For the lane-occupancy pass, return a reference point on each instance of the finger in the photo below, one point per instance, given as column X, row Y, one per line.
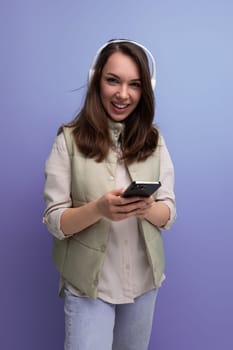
column 136, row 201
column 117, row 192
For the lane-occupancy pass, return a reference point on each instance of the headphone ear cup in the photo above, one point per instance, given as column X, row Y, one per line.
column 90, row 74
column 153, row 83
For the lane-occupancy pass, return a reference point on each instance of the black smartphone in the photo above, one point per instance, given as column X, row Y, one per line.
column 141, row 189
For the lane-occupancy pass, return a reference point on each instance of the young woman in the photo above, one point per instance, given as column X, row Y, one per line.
column 107, row 248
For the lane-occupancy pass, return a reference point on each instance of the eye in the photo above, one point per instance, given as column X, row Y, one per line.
column 112, row 80
column 136, row 84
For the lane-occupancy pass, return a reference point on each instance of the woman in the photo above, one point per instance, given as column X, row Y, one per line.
column 107, row 248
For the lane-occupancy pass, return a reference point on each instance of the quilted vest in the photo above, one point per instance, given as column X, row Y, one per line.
column 79, row 258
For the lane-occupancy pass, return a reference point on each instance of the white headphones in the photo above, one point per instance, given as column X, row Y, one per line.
column 153, row 67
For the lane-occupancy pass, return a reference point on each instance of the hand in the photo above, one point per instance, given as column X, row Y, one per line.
column 114, row 207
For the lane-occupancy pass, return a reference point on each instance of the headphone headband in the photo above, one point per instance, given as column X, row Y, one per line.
column 153, row 66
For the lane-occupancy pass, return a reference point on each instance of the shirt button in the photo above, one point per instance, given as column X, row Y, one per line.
column 111, row 178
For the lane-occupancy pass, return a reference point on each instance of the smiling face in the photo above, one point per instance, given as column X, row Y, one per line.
column 120, row 86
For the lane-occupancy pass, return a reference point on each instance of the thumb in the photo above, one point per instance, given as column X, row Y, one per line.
column 118, row 191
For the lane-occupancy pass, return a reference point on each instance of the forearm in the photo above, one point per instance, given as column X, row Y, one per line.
column 74, row 220
column 158, row 214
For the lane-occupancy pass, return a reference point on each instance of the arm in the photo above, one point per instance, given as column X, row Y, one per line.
column 162, row 212
column 57, row 186
column 158, row 214
column 110, row 206
column 74, row 220
column 60, row 217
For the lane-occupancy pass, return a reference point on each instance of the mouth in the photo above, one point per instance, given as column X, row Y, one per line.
column 119, row 106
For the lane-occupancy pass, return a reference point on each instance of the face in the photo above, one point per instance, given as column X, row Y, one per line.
column 120, row 86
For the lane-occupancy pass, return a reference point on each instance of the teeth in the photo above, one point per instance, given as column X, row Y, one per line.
column 120, row 106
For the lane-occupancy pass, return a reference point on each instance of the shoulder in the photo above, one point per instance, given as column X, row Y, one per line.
column 65, row 132
column 161, row 141
column 59, row 144
column 65, row 129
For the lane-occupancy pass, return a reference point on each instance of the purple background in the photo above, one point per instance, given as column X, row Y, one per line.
column 46, row 50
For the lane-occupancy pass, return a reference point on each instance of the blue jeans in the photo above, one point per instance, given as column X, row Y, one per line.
column 92, row 324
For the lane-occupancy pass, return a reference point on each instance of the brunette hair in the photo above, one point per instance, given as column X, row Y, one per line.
column 91, row 129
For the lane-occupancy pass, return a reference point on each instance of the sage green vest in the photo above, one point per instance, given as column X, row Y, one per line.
column 79, row 258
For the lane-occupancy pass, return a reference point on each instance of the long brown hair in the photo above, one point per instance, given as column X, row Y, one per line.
column 91, row 129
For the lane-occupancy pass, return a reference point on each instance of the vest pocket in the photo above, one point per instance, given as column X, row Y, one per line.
column 94, row 237
column 82, row 267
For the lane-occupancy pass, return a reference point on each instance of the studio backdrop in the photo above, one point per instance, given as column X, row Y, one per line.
column 46, row 50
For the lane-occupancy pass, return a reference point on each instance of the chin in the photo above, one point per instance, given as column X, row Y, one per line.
column 118, row 119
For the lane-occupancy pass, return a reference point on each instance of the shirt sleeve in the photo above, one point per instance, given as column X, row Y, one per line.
column 166, row 192
column 57, row 188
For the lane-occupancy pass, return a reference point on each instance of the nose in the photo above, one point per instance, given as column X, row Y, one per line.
column 123, row 92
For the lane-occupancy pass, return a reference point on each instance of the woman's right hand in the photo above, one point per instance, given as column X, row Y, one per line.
column 115, row 208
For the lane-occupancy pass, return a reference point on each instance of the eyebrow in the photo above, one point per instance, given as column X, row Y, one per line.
column 116, row 76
